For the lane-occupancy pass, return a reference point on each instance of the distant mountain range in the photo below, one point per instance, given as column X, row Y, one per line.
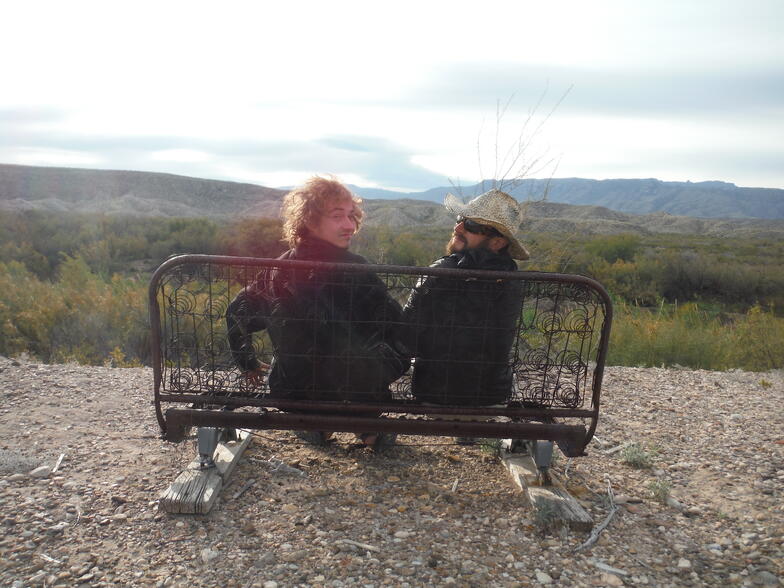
column 747, row 211
column 699, row 199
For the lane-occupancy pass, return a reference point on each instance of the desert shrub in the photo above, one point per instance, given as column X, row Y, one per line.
column 13, row 462
column 758, row 341
column 253, row 238
column 636, row 456
column 690, row 336
column 660, row 490
column 612, row 248
column 684, row 335
column 79, row 317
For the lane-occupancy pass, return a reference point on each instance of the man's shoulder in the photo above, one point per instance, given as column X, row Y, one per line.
column 354, row 258
column 446, row 261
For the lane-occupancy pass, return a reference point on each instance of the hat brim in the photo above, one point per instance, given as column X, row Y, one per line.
column 516, row 249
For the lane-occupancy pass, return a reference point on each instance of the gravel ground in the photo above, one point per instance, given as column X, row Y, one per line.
column 424, row 513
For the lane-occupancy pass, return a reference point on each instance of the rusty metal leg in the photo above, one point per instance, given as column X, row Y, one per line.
column 516, row 446
column 542, row 452
column 207, row 438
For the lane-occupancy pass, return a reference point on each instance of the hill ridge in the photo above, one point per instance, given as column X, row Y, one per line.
column 128, row 192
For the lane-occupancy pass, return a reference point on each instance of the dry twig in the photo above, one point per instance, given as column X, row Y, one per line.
column 364, row 546
column 244, row 489
column 594, row 537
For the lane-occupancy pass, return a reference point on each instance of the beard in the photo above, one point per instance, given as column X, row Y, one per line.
column 456, row 243
column 459, row 243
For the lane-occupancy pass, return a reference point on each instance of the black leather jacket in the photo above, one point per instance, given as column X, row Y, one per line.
column 333, row 333
column 461, row 332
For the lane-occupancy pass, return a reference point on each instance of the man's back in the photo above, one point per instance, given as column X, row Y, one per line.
column 317, row 319
column 462, row 330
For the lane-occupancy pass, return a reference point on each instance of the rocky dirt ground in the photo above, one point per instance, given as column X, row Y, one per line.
column 359, row 519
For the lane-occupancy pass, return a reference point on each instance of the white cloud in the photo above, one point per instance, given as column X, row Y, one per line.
column 52, row 157
column 180, row 155
column 251, row 90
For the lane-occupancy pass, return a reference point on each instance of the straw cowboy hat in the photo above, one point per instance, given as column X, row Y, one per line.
column 496, row 209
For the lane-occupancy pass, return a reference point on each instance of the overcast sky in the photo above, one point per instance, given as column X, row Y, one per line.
column 399, row 95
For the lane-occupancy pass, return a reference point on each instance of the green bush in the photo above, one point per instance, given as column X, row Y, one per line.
column 688, row 336
column 660, row 490
column 79, row 317
column 636, row 456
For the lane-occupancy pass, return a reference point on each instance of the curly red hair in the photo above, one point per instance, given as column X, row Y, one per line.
column 304, row 205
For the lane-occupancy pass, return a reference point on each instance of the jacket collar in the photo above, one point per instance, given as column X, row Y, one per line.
column 315, row 249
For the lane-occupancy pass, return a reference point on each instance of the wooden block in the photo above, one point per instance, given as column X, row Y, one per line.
column 227, row 455
column 560, row 507
column 553, row 503
column 195, row 491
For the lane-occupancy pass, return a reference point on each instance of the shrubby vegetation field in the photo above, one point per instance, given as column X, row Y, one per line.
column 74, row 287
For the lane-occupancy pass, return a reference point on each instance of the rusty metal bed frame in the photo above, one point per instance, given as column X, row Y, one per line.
column 558, row 357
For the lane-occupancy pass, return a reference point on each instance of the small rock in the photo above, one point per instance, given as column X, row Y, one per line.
column 402, row 534
column 267, row 559
column 289, row 508
column 37, row 578
column 208, row 554
column 543, row 578
column 749, row 537
column 296, row 555
column 682, row 465
column 607, row 579
column 684, row 564
column 672, row 503
column 16, row 477
column 41, row 472
column 270, row 584
column 57, row 528
column 249, row 528
column 766, row 578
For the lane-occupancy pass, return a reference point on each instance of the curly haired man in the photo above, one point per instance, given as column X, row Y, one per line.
column 333, row 332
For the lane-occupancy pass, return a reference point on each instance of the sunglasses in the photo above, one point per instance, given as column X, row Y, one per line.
column 478, row 228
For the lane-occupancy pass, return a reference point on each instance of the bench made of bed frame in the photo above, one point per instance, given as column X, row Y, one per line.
column 557, row 358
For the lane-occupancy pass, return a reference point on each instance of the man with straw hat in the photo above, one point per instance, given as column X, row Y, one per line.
column 461, row 330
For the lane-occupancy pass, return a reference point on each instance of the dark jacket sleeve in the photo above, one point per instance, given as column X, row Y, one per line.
column 386, row 315
column 246, row 315
column 417, row 313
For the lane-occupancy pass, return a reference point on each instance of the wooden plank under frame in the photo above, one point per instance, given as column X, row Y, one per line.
column 554, row 502
column 195, row 491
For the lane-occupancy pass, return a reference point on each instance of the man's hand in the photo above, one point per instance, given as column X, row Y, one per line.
column 256, row 377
